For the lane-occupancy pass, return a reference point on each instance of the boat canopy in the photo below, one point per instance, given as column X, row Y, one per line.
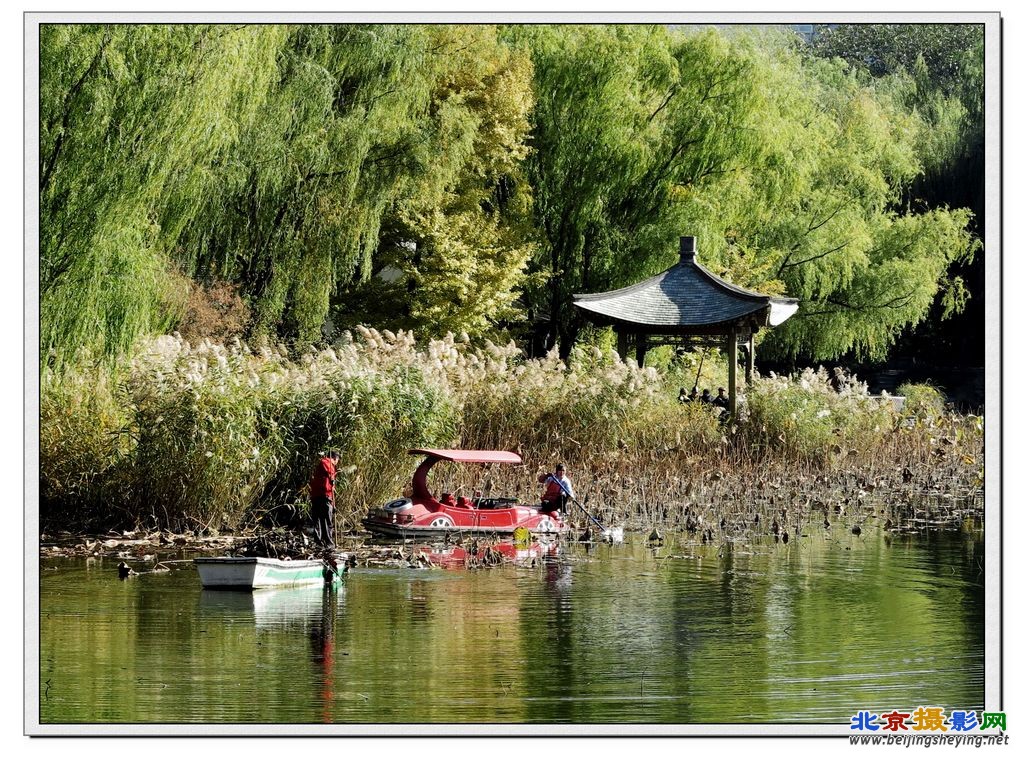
column 419, row 479
column 470, row 457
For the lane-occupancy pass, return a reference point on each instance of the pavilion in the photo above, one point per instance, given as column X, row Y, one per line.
column 687, row 305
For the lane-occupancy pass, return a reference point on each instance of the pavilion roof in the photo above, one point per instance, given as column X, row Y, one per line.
column 685, row 299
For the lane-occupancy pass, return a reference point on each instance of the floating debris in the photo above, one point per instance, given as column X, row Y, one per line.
column 613, row 535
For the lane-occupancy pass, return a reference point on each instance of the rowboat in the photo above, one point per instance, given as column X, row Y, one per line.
column 251, row 573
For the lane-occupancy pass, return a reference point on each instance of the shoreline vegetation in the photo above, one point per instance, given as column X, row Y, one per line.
column 212, row 439
column 221, row 207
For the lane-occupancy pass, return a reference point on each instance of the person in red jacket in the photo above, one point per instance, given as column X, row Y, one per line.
column 321, row 493
column 557, row 490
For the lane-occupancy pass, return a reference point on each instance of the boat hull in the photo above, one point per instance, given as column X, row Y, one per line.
column 414, row 532
column 251, row 573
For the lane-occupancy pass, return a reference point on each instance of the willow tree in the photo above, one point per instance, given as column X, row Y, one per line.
column 789, row 171
column 628, row 121
column 338, row 141
column 821, row 215
column 131, row 120
column 937, row 70
column 377, row 146
column 453, row 252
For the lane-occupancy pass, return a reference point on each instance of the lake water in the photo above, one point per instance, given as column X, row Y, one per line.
column 807, row 632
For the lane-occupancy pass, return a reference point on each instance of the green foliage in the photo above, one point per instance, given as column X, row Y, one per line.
column 443, row 178
column 452, row 256
column 473, row 243
column 628, row 121
column 938, row 72
column 278, row 158
column 807, row 417
column 865, row 307
column 340, row 137
column 131, row 120
column 787, row 168
column 924, row 402
column 823, row 217
column 817, row 220
column 944, row 49
column 708, row 368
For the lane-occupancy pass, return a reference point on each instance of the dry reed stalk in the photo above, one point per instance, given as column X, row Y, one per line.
column 217, row 434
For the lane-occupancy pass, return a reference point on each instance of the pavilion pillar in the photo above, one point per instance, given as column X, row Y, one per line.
column 750, row 359
column 641, row 349
column 623, row 341
column 732, row 374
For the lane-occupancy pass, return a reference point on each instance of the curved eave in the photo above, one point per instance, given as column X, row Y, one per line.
column 781, row 309
column 670, row 314
column 622, row 291
column 757, row 317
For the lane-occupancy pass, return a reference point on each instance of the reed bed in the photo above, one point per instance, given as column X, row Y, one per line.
column 212, row 437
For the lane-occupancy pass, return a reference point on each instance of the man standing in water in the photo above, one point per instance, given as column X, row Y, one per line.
column 558, row 490
column 321, row 493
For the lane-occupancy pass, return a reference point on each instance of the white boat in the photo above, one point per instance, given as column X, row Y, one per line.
column 250, row 573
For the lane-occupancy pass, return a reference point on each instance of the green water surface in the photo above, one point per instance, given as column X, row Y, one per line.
column 808, row 632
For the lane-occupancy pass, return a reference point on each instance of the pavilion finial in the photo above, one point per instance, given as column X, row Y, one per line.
column 687, row 249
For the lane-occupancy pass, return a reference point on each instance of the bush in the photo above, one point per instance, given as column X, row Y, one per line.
column 923, row 402
column 84, row 450
column 214, row 311
column 806, row 416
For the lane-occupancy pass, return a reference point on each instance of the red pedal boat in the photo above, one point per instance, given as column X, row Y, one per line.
column 423, row 516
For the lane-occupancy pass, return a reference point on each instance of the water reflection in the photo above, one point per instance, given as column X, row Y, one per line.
column 476, row 554
column 270, row 607
column 321, row 648
column 754, row 632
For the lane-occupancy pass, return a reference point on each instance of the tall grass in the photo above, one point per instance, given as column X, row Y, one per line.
column 208, row 436
column 808, row 417
column 84, row 449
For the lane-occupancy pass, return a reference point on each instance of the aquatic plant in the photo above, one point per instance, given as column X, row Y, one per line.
column 210, row 436
column 923, row 402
